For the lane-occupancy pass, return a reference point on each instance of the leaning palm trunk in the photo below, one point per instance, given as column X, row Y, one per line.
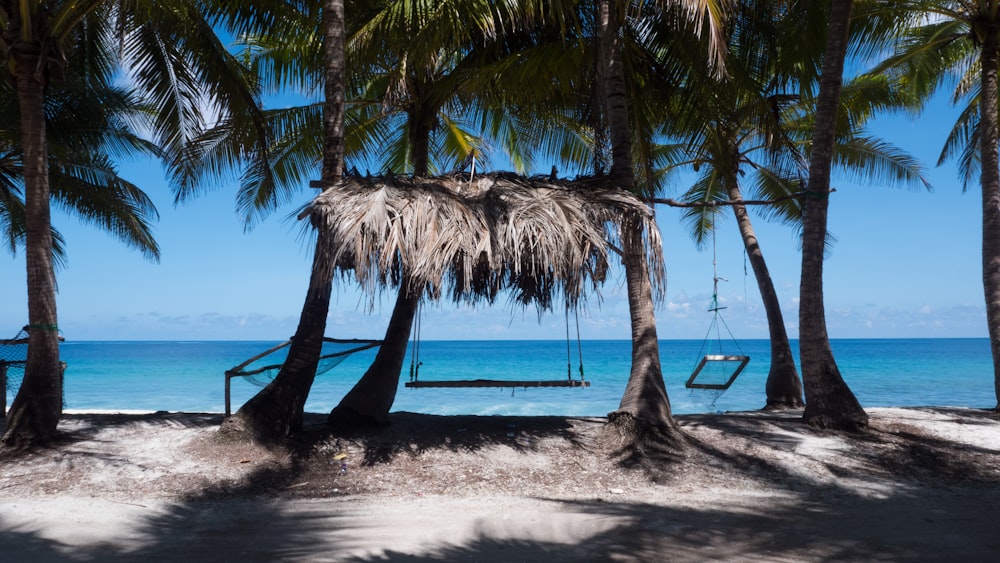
column 371, row 398
column 783, row 387
column 369, row 401
column 36, row 409
column 829, row 402
column 643, row 417
column 276, row 412
column 990, row 136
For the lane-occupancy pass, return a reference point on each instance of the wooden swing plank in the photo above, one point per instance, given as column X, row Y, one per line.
column 460, row 383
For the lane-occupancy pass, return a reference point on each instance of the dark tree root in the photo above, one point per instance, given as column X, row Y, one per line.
column 784, row 404
column 245, row 427
column 855, row 424
column 633, row 442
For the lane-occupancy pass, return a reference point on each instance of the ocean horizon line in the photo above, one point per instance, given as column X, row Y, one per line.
column 480, row 340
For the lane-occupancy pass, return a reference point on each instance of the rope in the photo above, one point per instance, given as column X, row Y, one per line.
column 415, row 356
column 715, row 277
column 579, row 345
column 569, row 361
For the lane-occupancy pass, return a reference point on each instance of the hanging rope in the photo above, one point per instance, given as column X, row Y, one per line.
column 569, row 356
column 719, row 358
column 579, row 345
column 415, row 354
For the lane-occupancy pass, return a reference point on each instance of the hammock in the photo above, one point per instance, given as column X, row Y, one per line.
column 13, row 355
column 262, row 368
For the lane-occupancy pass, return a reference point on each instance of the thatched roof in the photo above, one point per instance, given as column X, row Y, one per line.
column 475, row 239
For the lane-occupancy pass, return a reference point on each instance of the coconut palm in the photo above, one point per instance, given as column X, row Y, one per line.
column 829, row 402
column 643, row 416
column 85, row 132
column 956, row 43
column 276, row 412
column 748, row 131
column 171, row 50
column 401, row 86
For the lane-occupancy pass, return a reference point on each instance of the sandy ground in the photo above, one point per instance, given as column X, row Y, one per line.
column 923, row 485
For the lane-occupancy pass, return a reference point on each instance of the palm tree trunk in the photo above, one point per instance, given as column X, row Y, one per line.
column 276, row 412
column 643, row 417
column 783, row 387
column 35, row 411
column 369, row 401
column 371, row 398
column 990, row 178
column 644, row 411
column 829, row 402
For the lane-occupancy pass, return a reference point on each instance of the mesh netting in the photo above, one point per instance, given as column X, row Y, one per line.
column 13, row 354
column 262, row 368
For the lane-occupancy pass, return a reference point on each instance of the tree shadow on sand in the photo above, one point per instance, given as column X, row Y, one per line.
column 414, row 434
column 793, row 517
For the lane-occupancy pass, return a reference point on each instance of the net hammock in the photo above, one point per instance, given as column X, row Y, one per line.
column 262, row 368
column 13, row 355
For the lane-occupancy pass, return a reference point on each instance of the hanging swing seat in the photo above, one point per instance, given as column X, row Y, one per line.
column 717, row 371
column 416, row 383
column 502, row 383
column 713, row 381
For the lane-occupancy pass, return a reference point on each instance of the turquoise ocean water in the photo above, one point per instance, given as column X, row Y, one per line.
column 189, row 376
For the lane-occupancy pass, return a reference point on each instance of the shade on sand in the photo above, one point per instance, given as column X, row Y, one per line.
column 472, row 238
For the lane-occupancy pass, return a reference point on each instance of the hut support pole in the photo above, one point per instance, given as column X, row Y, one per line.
column 3, row 389
column 228, row 379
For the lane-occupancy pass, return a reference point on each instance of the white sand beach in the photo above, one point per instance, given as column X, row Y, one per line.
column 924, row 484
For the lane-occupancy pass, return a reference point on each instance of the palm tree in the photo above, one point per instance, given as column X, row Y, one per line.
column 748, row 131
column 643, row 415
column 402, row 85
column 276, row 412
column 438, row 77
column 829, row 402
column 84, row 133
column 171, row 50
column 737, row 123
column 957, row 43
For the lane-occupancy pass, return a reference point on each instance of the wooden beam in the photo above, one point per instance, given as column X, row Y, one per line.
column 675, row 203
column 504, row 383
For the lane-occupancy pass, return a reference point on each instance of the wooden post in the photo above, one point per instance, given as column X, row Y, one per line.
column 3, row 388
column 228, row 378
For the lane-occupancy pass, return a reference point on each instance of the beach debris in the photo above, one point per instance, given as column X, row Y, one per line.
column 343, row 469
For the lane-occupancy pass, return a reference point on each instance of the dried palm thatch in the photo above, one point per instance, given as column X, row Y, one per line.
column 473, row 239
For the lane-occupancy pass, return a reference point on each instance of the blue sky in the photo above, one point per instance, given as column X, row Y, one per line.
column 906, row 264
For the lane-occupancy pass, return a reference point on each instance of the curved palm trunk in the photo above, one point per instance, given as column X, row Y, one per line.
column 369, row 401
column 276, row 412
column 990, row 180
column 783, row 387
column 371, row 398
column 36, row 409
column 829, row 402
column 643, row 416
